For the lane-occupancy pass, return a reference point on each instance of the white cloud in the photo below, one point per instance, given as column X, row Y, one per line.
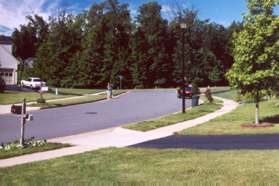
column 14, row 12
column 133, row 11
column 166, row 9
column 5, row 31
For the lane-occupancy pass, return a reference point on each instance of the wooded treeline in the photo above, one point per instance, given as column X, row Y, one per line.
column 99, row 45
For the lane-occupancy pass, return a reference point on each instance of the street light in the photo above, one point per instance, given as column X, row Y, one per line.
column 183, row 26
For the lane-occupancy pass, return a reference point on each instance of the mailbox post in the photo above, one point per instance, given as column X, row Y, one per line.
column 22, row 122
column 21, row 111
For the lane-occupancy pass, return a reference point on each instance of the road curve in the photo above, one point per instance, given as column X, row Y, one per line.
column 131, row 107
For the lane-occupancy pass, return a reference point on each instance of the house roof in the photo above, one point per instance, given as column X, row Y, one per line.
column 5, row 40
column 7, row 60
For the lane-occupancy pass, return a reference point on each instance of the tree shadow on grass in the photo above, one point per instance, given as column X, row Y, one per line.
column 271, row 119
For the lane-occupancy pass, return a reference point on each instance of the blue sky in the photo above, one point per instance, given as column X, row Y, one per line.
column 13, row 12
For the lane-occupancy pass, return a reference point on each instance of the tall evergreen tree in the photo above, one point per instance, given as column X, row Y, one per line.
column 116, row 47
column 55, row 52
column 152, row 33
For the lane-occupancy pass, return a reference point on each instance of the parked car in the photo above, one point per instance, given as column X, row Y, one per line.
column 33, row 82
column 187, row 93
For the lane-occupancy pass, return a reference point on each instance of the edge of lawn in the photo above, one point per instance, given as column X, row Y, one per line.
column 171, row 119
column 5, row 154
column 76, row 101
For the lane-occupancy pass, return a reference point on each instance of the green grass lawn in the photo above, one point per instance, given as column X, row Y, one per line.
column 225, row 92
column 28, row 150
column 11, row 97
column 231, row 123
column 77, row 100
column 195, row 112
column 131, row 166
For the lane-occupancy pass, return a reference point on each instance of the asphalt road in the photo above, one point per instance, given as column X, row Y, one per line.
column 132, row 107
column 220, row 142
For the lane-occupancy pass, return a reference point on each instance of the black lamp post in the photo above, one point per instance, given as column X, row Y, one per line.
column 183, row 26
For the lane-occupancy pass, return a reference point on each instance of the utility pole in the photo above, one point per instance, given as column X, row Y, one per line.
column 183, row 26
column 22, row 122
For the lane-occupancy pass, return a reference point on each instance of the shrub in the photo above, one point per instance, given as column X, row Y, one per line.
column 41, row 100
column 208, row 95
column 28, row 143
column 2, row 84
column 195, row 89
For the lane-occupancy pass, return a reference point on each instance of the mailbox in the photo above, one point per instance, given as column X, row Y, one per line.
column 29, row 117
column 44, row 89
column 16, row 109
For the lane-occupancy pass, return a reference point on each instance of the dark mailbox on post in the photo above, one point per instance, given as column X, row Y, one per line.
column 16, row 109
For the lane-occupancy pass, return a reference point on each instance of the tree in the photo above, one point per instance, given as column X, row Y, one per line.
column 85, row 67
column 139, row 58
column 150, row 52
column 27, row 40
column 217, row 38
column 255, row 50
column 117, row 38
column 55, row 52
column 193, row 51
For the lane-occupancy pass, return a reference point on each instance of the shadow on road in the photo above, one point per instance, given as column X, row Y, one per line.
column 228, row 142
column 272, row 119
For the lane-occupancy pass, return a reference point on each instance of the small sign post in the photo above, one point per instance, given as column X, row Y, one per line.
column 120, row 81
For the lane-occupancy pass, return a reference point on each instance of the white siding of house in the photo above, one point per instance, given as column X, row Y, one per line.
column 8, row 48
column 8, row 65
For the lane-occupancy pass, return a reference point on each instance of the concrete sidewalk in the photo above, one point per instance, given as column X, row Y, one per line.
column 114, row 137
column 6, row 109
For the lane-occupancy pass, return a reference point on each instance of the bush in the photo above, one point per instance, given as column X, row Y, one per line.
column 41, row 100
column 2, row 84
column 208, row 95
column 28, row 143
column 195, row 87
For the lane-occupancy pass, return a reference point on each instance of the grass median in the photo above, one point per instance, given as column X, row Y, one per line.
column 76, row 100
column 12, row 97
column 193, row 113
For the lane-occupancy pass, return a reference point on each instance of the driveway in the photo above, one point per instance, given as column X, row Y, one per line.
column 220, row 142
column 132, row 107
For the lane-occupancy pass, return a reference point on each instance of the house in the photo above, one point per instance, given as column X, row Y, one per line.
column 8, row 63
